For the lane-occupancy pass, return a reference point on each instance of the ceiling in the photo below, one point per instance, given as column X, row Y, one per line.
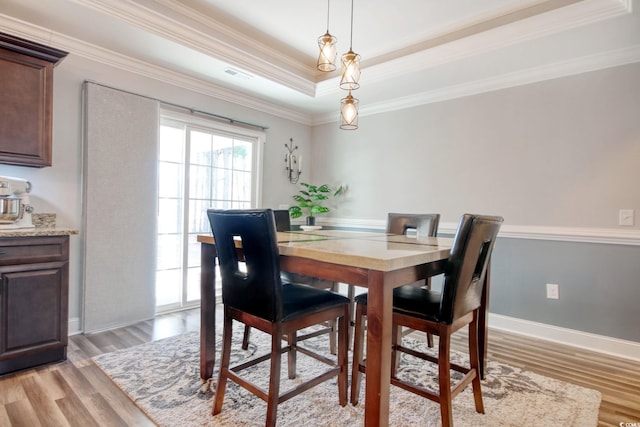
column 413, row 51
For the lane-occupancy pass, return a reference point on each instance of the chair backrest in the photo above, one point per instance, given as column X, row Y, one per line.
column 467, row 265
column 257, row 291
column 423, row 224
column 283, row 222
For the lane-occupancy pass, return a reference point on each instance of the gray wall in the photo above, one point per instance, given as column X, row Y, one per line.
column 561, row 154
column 599, row 285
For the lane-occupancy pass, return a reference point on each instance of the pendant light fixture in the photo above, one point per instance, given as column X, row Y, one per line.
column 327, row 45
column 350, row 64
column 349, row 113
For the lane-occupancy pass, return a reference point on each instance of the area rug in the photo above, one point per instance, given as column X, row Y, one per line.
column 162, row 378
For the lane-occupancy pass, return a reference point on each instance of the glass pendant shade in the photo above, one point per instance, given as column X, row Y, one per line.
column 349, row 113
column 350, row 71
column 328, row 52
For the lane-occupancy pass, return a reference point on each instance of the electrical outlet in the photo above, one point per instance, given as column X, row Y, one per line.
column 625, row 217
column 553, row 291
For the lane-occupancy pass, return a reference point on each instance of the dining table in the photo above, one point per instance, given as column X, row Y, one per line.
column 373, row 260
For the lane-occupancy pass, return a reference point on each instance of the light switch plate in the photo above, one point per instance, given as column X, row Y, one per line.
column 625, row 217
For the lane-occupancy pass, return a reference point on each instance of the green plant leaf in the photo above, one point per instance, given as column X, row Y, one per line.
column 295, row 212
column 319, row 209
column 298, row 198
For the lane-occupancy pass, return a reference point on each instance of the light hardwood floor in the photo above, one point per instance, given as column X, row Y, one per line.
column 77, row 393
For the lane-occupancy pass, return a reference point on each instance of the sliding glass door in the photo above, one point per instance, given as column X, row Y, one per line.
column 199, row 167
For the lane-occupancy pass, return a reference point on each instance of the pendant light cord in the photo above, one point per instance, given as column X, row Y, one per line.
column 328, row 3
column 351, row 39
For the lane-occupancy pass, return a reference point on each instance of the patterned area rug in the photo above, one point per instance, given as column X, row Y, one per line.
column 162, row 377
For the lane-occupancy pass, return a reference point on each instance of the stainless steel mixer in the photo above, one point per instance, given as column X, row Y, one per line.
column 15, row 207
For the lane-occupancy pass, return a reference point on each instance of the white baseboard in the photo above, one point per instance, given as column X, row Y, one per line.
column 600, row 343
column 74, row 326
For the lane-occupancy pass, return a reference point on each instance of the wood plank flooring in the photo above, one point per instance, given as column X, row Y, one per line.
column 77, row 393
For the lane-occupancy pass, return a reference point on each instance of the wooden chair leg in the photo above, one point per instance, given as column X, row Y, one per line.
column 245, row 337
column 351, row 294
column 358, row 347
column 427, row 284
column 444, row 380
column 333, row 335
column 474, row 358
column 343, row 356
column 224, row 363
column 292, row 355
column 429, row 340
column 274, row 378
column 396, row 338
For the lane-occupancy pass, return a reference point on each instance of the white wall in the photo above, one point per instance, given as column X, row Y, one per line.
column 57, row 188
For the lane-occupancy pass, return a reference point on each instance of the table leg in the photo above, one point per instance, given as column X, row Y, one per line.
column 207, row 309
column 379, row 318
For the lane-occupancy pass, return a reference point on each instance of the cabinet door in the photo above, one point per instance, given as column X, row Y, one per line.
column 25, row 112
column 32, row 308
column 26, row 91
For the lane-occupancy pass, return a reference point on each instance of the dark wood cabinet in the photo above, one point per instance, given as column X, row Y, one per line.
column 34, row 292
column 26, row 101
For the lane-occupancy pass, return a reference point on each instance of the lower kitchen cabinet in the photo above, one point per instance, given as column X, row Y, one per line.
column 34, row 293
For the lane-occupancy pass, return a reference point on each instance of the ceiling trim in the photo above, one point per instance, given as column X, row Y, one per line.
column 591, row 11
column 562, row 19
column 574, row 66
column 181, row 24
column 136, row 66
column 190, row 28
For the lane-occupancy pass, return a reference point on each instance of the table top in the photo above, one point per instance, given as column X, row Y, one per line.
column 370, row 250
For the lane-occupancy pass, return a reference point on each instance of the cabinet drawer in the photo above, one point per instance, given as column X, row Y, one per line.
column 21, row 250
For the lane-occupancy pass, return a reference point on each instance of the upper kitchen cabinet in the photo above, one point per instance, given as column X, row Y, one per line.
column 26, row 101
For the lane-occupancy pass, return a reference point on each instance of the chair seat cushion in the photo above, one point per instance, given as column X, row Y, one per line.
column 412, row 301
column 301, row 300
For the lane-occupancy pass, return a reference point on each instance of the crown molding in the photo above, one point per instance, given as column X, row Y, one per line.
column 181, row 24
column 107, row 57
column 175, row 21
column 453, row 47
column 590, row 11
column 570, row 67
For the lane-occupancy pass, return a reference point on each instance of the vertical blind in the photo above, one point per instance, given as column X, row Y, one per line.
column 120, row 207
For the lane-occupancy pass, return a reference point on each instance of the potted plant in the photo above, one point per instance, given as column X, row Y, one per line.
column 310, row 200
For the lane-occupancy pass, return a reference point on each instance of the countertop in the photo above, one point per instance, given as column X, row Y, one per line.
column 39, row 231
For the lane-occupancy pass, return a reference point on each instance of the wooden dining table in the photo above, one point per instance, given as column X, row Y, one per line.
column 373, row 260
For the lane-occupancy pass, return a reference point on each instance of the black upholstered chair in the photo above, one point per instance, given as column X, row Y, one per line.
column 256, row 296
column 283, row 220
column 283, row 223
column 441, row 313
column 423, row 225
